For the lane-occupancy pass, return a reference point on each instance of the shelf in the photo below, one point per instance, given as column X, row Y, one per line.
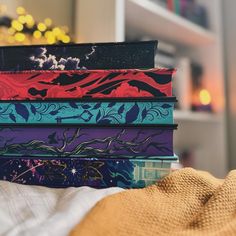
column 196, row 116
column 156, row 21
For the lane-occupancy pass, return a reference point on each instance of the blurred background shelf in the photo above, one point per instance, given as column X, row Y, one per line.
column 162, row 23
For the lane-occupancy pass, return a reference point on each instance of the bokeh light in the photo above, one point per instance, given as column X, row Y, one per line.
column 42, row 27
column 20, row 10
column 205, row 97
column 24, row 29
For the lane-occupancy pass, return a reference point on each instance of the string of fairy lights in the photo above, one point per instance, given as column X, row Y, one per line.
column 25, row 30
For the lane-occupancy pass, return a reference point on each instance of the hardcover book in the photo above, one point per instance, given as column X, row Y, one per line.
column 72, row 141
column 100, row 112
column 68, row 172
column 78, row 56
column 33, row 85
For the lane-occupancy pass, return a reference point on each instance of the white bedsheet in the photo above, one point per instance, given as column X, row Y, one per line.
column 39, row 211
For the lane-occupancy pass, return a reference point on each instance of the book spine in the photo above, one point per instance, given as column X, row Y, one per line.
column 97, row 112
column 177, row 6
column 73, row 141
column 82, row 84
column 182, row 6
column 67, row 172
column 78, row 56
column 170, row 5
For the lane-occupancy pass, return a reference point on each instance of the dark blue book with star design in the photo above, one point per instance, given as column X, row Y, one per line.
column 97, row 173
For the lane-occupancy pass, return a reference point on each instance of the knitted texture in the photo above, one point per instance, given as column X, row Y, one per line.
column 187, row 202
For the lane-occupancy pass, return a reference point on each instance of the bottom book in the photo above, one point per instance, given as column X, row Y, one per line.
column 75, row 172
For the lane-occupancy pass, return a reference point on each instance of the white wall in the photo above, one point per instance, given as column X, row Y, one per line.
column 11, row 6
column 99, row 20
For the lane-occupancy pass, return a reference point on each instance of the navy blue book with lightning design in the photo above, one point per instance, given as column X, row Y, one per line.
column 78, row 56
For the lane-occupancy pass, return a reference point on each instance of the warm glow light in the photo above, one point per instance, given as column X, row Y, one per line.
column 22, row 19
column 17, row 25
column 48, row 34
column 11, row 31
column 65, row 39
column 42, row 27
column 56, row 31
column 48, row 22
column 205, row 97
column 20, row 10
column 20, row 37
column 44, row 31
column 29, row 18
column 37, row 34
column 29, row 21
column 51, row 39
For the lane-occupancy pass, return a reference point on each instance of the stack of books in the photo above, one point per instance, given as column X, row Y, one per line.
column 98, row 115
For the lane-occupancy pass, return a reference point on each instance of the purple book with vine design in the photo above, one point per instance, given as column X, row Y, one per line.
column 72, row 141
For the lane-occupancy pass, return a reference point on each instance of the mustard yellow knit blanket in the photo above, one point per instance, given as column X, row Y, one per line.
column 187, row 202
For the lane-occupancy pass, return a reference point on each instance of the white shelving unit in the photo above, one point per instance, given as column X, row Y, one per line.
column 113, row 20
column 177, row 29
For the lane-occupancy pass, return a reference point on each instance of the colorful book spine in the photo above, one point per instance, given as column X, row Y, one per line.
column 101, row 111
column 170, row 5
column 78, row 56
column 177, row 8
column 33, row 85
column 91, row 140
column 67, row 172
